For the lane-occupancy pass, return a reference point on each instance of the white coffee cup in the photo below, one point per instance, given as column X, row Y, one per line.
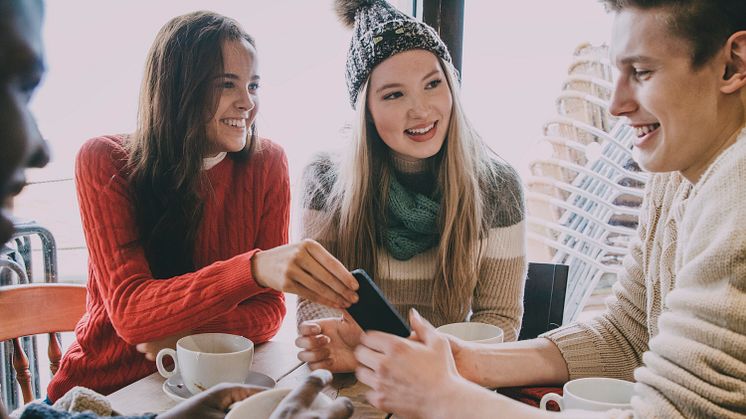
column 596, row 393
column 473, row 332
column 207, row 359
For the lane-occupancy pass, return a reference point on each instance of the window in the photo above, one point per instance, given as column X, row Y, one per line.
column 514, row 61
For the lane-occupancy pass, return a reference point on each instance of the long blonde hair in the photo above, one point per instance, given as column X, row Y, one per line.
column 354, row 213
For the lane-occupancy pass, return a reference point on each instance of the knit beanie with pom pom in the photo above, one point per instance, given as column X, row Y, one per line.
column 380, row 31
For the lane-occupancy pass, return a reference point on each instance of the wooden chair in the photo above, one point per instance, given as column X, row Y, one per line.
column 34, row 309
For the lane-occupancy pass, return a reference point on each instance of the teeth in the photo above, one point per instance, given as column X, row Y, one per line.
column 237, row 123
column 647, row 129
column 421, row 130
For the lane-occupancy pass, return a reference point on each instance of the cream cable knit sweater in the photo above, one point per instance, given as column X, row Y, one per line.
column 677, row 320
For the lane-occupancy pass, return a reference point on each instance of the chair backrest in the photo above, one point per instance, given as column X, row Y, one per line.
column 543, row 299
column 34, row 309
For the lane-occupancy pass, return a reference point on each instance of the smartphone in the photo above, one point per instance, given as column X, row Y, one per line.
column 373, row 311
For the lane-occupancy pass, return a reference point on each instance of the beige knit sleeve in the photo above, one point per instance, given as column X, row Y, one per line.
column 611, row 345
column 696, row 366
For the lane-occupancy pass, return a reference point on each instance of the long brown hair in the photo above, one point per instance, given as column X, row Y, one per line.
column 177, row 99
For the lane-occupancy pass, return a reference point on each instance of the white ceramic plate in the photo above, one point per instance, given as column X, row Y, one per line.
column 261, row 405
column 174, row 387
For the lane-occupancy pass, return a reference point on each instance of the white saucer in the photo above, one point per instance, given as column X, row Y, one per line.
column 174, row 387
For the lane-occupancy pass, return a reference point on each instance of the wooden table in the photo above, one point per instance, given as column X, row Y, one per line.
column 275, row 359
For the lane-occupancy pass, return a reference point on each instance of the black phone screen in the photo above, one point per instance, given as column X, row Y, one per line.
column 373, row 311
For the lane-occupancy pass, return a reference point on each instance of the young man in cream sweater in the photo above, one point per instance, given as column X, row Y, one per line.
column 677, row 322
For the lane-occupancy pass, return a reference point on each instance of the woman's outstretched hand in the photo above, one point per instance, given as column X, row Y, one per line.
column 308, row 270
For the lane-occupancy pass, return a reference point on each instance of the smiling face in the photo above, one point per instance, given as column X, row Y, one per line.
column 410, row 103
column 238, row 102
column 21, row 69
column 682, row 115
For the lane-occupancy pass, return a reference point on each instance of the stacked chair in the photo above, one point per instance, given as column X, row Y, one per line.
column 584, row 192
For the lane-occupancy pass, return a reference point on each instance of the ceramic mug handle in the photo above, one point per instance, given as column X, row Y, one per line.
column 549, row 397
column 159, row 362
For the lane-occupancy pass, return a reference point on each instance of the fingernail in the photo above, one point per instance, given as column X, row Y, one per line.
column 416, row 313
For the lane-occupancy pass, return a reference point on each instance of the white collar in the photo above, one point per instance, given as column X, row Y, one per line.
column 210, row 162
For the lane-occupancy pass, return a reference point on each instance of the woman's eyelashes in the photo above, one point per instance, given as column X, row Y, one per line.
column 432, row 84
column 392, row 95
column 228, row 84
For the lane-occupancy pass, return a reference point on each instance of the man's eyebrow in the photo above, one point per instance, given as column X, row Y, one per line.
column 636, row 59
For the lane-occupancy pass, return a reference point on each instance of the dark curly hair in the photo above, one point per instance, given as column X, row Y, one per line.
column 705, row 24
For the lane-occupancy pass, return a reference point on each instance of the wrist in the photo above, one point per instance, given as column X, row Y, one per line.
column 254, row 261
column 467, row 363
column 451, row 399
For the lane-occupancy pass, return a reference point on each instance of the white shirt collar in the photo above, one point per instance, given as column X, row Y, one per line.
column 210, row 162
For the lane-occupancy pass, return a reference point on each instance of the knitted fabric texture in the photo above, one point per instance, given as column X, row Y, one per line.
column 677, row 322
column 43, row 411
column 412, row 222
column 248, row 209
column 380, row 31
column 81, row 399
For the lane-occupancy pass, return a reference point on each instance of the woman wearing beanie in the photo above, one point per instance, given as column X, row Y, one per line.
column 419, row 202
column 178, row 217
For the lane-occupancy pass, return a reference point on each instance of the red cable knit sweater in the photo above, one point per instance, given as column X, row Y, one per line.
column 247, row 209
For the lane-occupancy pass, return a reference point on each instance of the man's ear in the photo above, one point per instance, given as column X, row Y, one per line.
column 735, row 71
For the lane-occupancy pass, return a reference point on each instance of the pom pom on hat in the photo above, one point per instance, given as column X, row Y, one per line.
column 379, row 31
column 347, row 9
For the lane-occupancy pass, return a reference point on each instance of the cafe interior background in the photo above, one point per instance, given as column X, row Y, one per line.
column 515, row 57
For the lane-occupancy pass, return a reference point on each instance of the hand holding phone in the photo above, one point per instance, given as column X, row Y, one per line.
column 373, row 311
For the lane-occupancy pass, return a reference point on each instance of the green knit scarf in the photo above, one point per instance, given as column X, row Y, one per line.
column 412, row 222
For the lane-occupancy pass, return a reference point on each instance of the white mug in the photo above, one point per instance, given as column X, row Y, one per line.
column 473, row 332
column 597, row 394
column 207, row 359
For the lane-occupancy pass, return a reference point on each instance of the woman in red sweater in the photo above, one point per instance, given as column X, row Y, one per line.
column 175, row 215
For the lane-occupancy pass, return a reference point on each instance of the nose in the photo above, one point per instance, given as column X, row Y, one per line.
column 246, row 102
column 38, row 147
column 418, row 107
column 40, row 156
column 623, row 100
